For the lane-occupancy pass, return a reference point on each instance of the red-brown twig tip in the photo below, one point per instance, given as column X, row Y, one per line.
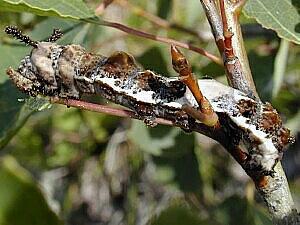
column 179, row 62
column 176, row 55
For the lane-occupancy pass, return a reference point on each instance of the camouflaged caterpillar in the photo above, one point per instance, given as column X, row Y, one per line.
column 69, row 72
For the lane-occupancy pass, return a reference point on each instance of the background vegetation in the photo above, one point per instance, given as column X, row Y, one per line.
column 70, row 166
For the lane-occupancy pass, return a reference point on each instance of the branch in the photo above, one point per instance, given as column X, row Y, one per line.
column 104, row 109
column 227, row 32
column 232, row 9
column 277, row 196
column 156, row 38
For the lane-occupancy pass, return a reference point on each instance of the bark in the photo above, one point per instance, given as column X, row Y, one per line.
column 274, row 190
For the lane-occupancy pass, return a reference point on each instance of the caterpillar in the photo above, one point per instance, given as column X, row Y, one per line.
column 70, row 71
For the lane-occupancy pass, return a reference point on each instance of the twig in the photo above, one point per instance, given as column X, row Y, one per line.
column 205, row 113
column 104, row 109
column 156, row 38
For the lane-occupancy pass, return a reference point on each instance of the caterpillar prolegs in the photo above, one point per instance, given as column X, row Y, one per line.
column 70, row 71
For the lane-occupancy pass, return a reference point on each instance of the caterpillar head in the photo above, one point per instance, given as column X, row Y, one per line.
column 36, row 74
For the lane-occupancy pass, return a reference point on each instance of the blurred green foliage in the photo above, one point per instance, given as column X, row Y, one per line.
column 90, row 168
column 21, row 200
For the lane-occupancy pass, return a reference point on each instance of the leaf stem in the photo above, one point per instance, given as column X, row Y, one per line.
column 104, row 109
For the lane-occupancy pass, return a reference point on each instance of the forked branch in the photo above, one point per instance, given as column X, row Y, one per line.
column 227, row 31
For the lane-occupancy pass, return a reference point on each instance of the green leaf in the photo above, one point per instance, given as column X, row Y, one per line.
column 210, row 70
column 75, row 9
column 148, row 140
column 287, row 101
column 164, row 8
column 173, row 154
column 74, row 32
column 11, row 118
column 14, row 113
column 282, row 16
column 11, row 121
column 236, row 209
column 177, row 215
column 262, row 68
column 22, row 202
column 153, row 58
column 10, row 56
column 293, row 124
column 181, row 172
column 43, row 29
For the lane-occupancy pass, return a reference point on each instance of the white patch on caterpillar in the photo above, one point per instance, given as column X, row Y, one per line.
column 141, row 96
column 264, row 154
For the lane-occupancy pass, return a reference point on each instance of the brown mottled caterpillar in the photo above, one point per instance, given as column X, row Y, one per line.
column 69, row 71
